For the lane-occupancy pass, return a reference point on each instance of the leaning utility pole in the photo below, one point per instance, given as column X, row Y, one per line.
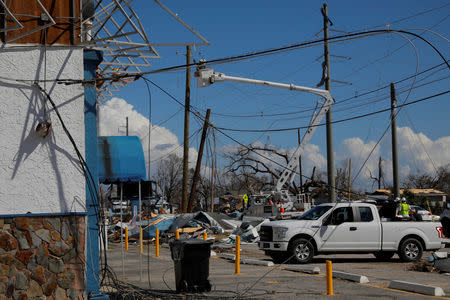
column 300, row 162
column 394, row 141
column 186, row 131
column 199, row 162
column 330, row 153
column 211, row 191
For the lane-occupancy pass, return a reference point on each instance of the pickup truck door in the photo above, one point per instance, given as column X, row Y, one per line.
column 344, row 231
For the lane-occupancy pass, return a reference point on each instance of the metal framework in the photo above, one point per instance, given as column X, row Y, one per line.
column 116, row 29
column 111, row 26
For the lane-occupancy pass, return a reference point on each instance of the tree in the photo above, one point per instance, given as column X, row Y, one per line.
column 252, row 173
column 440, row 181
column 169, row 177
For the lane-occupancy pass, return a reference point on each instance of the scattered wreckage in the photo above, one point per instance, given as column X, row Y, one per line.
column 190, row 225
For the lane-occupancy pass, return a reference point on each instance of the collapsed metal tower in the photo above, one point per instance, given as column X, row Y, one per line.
column 108, row 25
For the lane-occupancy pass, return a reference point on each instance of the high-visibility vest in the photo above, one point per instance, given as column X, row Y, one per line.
column 404, row 209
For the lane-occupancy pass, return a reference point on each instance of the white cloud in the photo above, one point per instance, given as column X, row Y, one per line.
column 163, row 142
column 418, row 152
column 358, row 151
column 415, row 149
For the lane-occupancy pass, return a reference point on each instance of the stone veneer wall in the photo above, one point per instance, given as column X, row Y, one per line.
column 42, row 257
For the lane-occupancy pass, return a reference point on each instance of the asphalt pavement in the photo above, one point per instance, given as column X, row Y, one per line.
column 259, row 282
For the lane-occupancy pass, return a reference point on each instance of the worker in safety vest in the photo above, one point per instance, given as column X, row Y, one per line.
column 245, row 199
column 403, row 209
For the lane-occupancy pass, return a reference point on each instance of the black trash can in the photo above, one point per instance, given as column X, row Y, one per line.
column 191, row 263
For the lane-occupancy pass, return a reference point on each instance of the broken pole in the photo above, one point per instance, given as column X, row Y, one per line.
column 199, row 162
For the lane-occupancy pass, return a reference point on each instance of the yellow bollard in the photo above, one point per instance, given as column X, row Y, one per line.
column 157, row 242
column 205, row 236
column 329, row 278
column 126, row 238
column 177, row 234
column 237, row 266
column 142, row 242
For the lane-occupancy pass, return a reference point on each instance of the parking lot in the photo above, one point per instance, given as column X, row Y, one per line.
column 260, row 282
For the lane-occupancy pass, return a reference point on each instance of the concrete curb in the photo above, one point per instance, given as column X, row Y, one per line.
column 417, row 288
column 227, row 256
column 350, row 277
column 249, row 261
column 304, row 269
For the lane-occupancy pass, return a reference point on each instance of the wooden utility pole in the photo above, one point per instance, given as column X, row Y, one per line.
column 349, row 177
column 330, row 153
column 199, row 162
column 186, row 131
column 394, row 142
column 127, row 125
column 212, row 185
column 300, row 163
column 380, row 173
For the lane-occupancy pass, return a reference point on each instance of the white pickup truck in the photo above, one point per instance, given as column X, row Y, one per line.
column 353, row 227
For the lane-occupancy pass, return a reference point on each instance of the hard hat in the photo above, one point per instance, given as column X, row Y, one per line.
column 403, row 199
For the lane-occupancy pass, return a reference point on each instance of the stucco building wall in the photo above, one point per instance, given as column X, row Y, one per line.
column 40, row 175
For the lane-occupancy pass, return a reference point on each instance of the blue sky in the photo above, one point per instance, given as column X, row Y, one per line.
column 368, row 63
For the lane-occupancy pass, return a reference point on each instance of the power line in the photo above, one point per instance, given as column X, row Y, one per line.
column 334, row 122
column 337, row 38
column 391, row 53
column 338, row 102
column 409, row 17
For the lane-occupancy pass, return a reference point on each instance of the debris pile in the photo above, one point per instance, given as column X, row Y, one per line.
column 221, row 227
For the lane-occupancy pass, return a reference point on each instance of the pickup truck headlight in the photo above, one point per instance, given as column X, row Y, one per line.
column 279, row 233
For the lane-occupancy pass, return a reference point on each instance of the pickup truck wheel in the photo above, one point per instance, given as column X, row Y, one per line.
column 302, row 251
column 410, row 250
column 383, row 255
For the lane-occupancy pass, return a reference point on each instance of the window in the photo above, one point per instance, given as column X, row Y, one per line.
column 314, row 213
column 366, row 214
column 342, row 215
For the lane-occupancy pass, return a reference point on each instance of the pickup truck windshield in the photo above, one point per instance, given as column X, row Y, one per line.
column 314, row 213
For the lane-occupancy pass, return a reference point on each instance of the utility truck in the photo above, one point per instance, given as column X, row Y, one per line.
column 348, row 227
column 273, row 203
